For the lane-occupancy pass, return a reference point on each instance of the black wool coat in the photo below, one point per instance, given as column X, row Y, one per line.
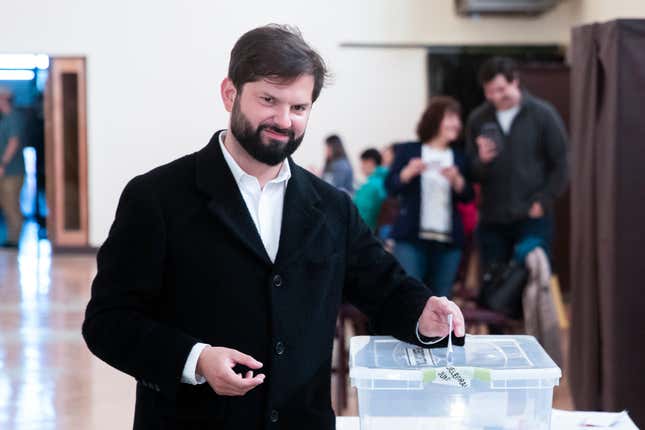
column 184, row 263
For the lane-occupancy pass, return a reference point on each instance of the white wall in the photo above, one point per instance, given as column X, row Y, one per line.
column 587, row 11
column 154, row 69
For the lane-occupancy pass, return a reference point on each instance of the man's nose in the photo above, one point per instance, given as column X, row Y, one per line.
column 282, row 118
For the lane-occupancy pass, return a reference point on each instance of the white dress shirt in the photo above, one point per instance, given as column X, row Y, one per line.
column 436, row 194
column 265, row 207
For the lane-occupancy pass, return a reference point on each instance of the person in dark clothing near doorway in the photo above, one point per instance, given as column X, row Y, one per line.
column 12, row 167
column 34, row 132
column 219, row 284
column 518, row 150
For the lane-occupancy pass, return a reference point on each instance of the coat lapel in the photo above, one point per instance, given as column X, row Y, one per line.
column 215, row 179
column 301, row 216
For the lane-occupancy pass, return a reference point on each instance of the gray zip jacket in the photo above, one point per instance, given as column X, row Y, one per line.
column 531, row 167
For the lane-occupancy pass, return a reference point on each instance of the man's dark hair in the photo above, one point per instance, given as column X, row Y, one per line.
column 372, row 154
column 498, row 66
column 275, row 52
column 430, row 121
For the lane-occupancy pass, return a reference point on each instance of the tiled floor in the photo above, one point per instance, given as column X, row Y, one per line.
column 48, row 378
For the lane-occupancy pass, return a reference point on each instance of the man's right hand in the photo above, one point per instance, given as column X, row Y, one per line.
column 414, row 168
column 487, row 149
column 216, row 365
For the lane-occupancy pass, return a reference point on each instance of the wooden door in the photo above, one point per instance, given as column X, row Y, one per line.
column 66, row 153
column 551, row 82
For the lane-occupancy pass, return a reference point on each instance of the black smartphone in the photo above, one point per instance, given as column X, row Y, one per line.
column 491, row 131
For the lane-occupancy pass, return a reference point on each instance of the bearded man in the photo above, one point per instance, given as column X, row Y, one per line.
column 220, row 281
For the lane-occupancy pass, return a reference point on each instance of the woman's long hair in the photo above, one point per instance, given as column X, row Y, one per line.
column 337, row 150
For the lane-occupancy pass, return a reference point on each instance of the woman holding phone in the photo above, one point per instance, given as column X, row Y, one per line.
column 428, row 178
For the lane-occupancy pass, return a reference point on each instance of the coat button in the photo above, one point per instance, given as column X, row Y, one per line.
column 277, row 281
column 275, row 416
column 279, row 348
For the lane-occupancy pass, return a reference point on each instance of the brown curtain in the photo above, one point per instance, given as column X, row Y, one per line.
column 607, row 354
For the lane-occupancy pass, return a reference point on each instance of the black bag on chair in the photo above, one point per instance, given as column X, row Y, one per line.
column 502, row 288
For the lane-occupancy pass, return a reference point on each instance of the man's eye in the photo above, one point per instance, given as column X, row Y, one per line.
column 267, row 99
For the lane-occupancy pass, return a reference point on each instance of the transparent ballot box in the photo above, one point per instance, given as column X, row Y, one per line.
column 493, row 383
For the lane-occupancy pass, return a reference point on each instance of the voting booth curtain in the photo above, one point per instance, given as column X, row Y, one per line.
column 607, row 354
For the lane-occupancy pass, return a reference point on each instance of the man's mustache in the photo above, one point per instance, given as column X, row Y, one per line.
column 285, row 131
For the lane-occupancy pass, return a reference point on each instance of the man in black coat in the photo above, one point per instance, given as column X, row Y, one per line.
column 220, row 281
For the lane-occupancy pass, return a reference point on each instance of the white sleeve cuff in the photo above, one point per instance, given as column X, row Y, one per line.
column 189, row 375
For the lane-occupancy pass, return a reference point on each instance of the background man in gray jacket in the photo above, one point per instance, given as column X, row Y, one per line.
column 517, row 149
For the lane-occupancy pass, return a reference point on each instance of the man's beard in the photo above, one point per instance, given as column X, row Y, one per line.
column 272, row 153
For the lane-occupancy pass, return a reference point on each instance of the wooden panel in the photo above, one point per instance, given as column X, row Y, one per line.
column 66, row 152
column 551, row 82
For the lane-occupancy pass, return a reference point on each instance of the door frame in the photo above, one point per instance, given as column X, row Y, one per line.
column 55, row 161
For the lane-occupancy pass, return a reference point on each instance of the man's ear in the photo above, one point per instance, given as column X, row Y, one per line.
column 228, row 93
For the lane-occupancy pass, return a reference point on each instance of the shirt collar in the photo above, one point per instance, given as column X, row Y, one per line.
column 238, row 173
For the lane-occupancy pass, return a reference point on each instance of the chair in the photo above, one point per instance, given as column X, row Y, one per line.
column 358, row 320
